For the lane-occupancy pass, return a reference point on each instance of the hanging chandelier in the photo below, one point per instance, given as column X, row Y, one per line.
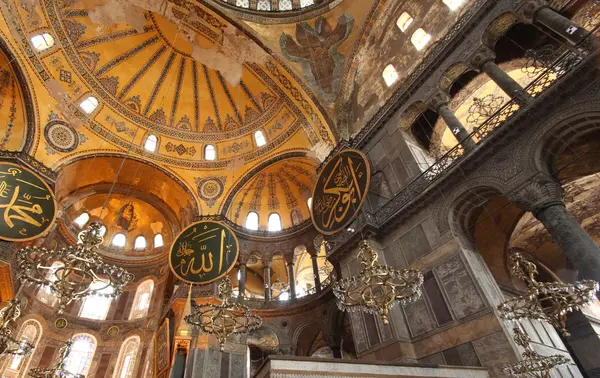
column 280, row 286
column 377, row 287
column 222, row 320
column 547, row 301
column 59, row 369
column 533, row 364
column 8, row 344
column 73, row 273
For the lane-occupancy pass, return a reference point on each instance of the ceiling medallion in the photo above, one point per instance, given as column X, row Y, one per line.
column 9, row 345
column 222, row 320
column 533, row 364
column 60, row 136
column 73, row 273
column 210, row 189
column 377, row 287
column 546, row 301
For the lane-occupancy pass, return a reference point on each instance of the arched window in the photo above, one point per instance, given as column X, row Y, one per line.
column 274, row 222
column 242, row 3
column 263, row 5
column 42, row 41
column 140, row 243
column 454, row 4
column 404, row 21
column 96, row 305
column 389, row 75
column 306, row 3
column 151, row 143
column 252, row 221
column 45, row 294
column 102, row 231
column 82, row 353
column 210, row 153
column 260, row 139
column 127, row 358
column 158, row 241
column 296, row 217
column 309, row 203
column 285, row 5
column 82, row 220
column 141, row 302
column 89, row 104
column 420, row 39
column 31, row 331
column 119, row 240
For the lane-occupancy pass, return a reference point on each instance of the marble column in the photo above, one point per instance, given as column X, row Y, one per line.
column 267, row 281
column 292, row 279
column 543, row 197
column 315, row 266
column 483, row 60
column 439, row 103
column 538, row 11
column 242, row 281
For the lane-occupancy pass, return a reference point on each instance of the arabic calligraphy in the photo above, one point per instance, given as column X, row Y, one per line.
column 340, row 191
column 204, row 252
column 27, row 207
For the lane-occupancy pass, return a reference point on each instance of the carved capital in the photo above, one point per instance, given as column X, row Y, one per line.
column 537, row 194
column 482, row 55
column 527, row 9
column 438, row 99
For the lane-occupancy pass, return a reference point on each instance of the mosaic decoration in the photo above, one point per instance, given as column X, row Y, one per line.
column 126, row 218
column 60, row 136
column 316, row 51
column 204, row 252
column 26, row 202
column 340, row 191
column 210, row 188
column 180, row 149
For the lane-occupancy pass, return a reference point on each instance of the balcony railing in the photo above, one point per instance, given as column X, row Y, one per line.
column 550, row 72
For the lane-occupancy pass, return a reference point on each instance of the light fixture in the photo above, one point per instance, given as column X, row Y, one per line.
column 224, row 319
column 80, row 271
column 59, row 369
column 533, row 364
column 547, row 301
column 8, row 344
column 280, row 286
column 377, row 287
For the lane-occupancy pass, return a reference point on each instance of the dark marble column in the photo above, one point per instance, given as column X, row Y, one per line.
column 440, row 104
column 315, row 265
column 560, row 25
column 292, row 279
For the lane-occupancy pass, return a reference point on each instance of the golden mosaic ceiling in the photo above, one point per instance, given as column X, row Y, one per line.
column 177, row 70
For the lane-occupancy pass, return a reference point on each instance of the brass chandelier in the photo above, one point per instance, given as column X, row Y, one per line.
column 59, row 369
column 8, row 344
column 533, row 364
column 73, row 273
column 224, row 319
column 547, row 301
column 377, row 287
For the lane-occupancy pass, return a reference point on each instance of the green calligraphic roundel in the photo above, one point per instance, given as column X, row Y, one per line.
column 340, row 191
column 204, row 252
column 27, row 206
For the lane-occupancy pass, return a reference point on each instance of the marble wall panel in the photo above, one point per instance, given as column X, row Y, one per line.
column 415, row 244
column 358, row 332
column 393, row 255
column 493, row 351
column 462, row 293
column 418, row 317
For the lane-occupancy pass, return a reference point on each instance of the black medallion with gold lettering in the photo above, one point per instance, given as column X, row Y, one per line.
column 204, row 252
column 340, row 191
column 27, row 207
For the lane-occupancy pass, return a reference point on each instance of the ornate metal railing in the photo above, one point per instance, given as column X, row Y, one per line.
column 549, row 72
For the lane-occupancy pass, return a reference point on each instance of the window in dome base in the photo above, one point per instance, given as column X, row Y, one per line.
column 151, row 143
column 89, row 104
column 42, row 41
column 420, row 39
column 454, row 4
column 390, row 75
column 274, row 222
column 285, row 5
column 404, row 21
column 263, row 5
column 210, row 153
column 252, row 221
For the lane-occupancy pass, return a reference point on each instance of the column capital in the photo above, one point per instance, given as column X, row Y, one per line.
column 482, row 55
column 438, row 99
column 527, row 9
column 537, row 194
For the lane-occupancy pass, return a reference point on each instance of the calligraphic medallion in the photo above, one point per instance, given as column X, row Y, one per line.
column 61, row 323
column 27, row 205
column 340, row 191
column 204, row 252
